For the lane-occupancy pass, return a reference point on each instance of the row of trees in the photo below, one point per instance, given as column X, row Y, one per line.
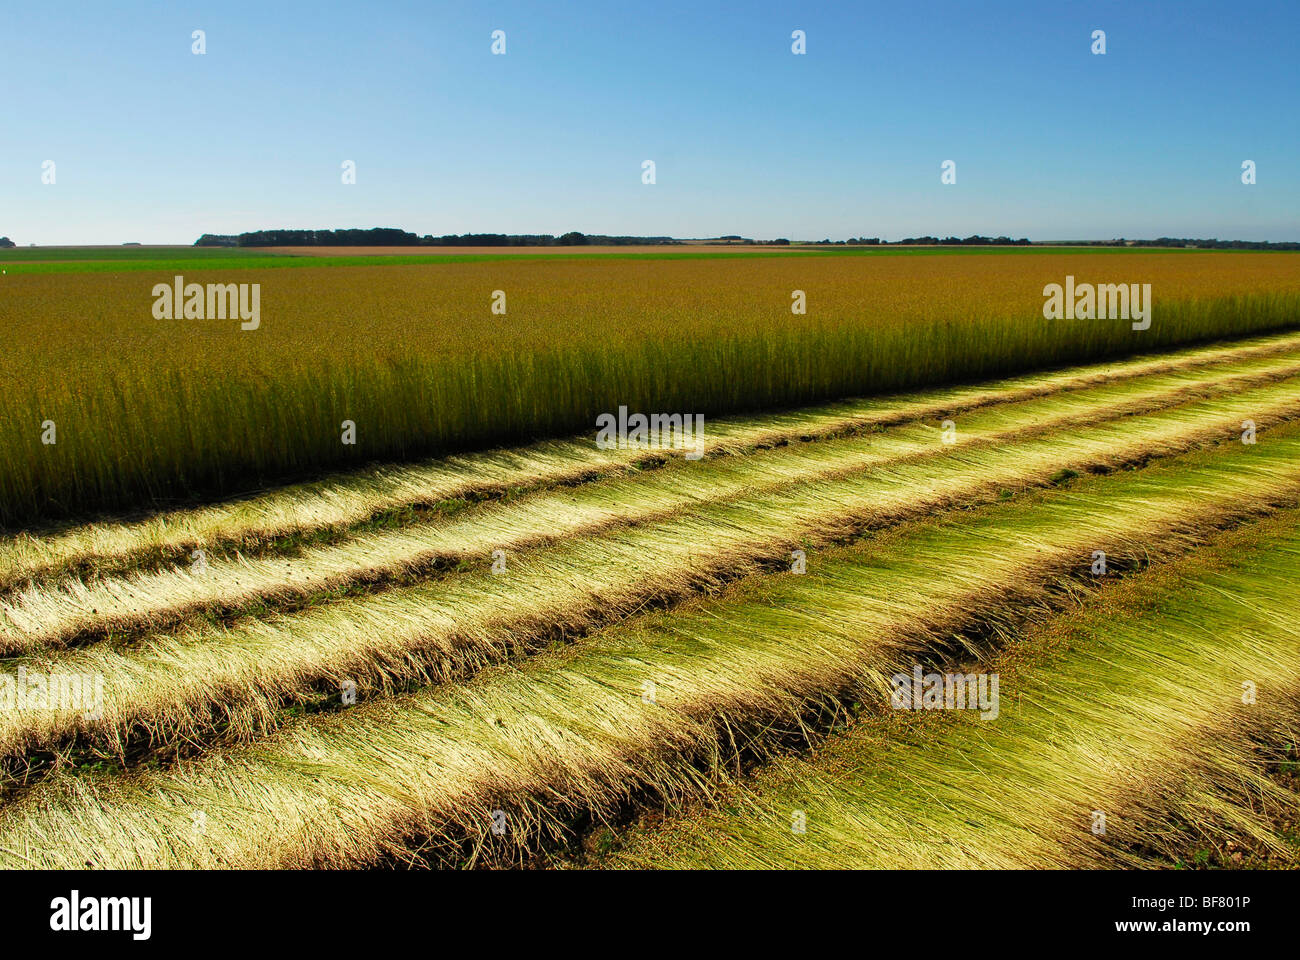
column 1199, row 244
column 6, row 243
column 972, row 241
column 571, row 239
column 376, row 237
column 978, row 241
column 392, row 237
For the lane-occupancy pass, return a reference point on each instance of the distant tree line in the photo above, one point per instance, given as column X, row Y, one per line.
column 376, row 237
column 571, row 239
column 392, row 237
column 6, row 243
column 978, row 241
column 972, row 241
column 1199, row 244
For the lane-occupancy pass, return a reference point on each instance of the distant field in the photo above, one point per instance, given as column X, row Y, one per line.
column 413, row 355
column 691, row 250
column 118, row 254
column 119, row 259
column 517, row 251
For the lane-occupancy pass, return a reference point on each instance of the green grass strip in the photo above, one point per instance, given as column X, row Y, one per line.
column 83, row 260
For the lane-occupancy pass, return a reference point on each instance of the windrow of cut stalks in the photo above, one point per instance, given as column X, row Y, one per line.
column 344, row 502
column 184, row 684
column 657, row 704
column 1139, row 730
column 62, row 611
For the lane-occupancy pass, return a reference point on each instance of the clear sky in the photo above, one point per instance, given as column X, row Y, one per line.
column 153, row 143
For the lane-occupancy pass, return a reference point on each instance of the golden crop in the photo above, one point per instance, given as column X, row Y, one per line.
column 415, row 357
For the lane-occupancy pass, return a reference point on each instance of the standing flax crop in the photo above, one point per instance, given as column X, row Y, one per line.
column 148, row 408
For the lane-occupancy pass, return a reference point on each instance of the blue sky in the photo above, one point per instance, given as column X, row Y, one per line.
column 157, row 145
